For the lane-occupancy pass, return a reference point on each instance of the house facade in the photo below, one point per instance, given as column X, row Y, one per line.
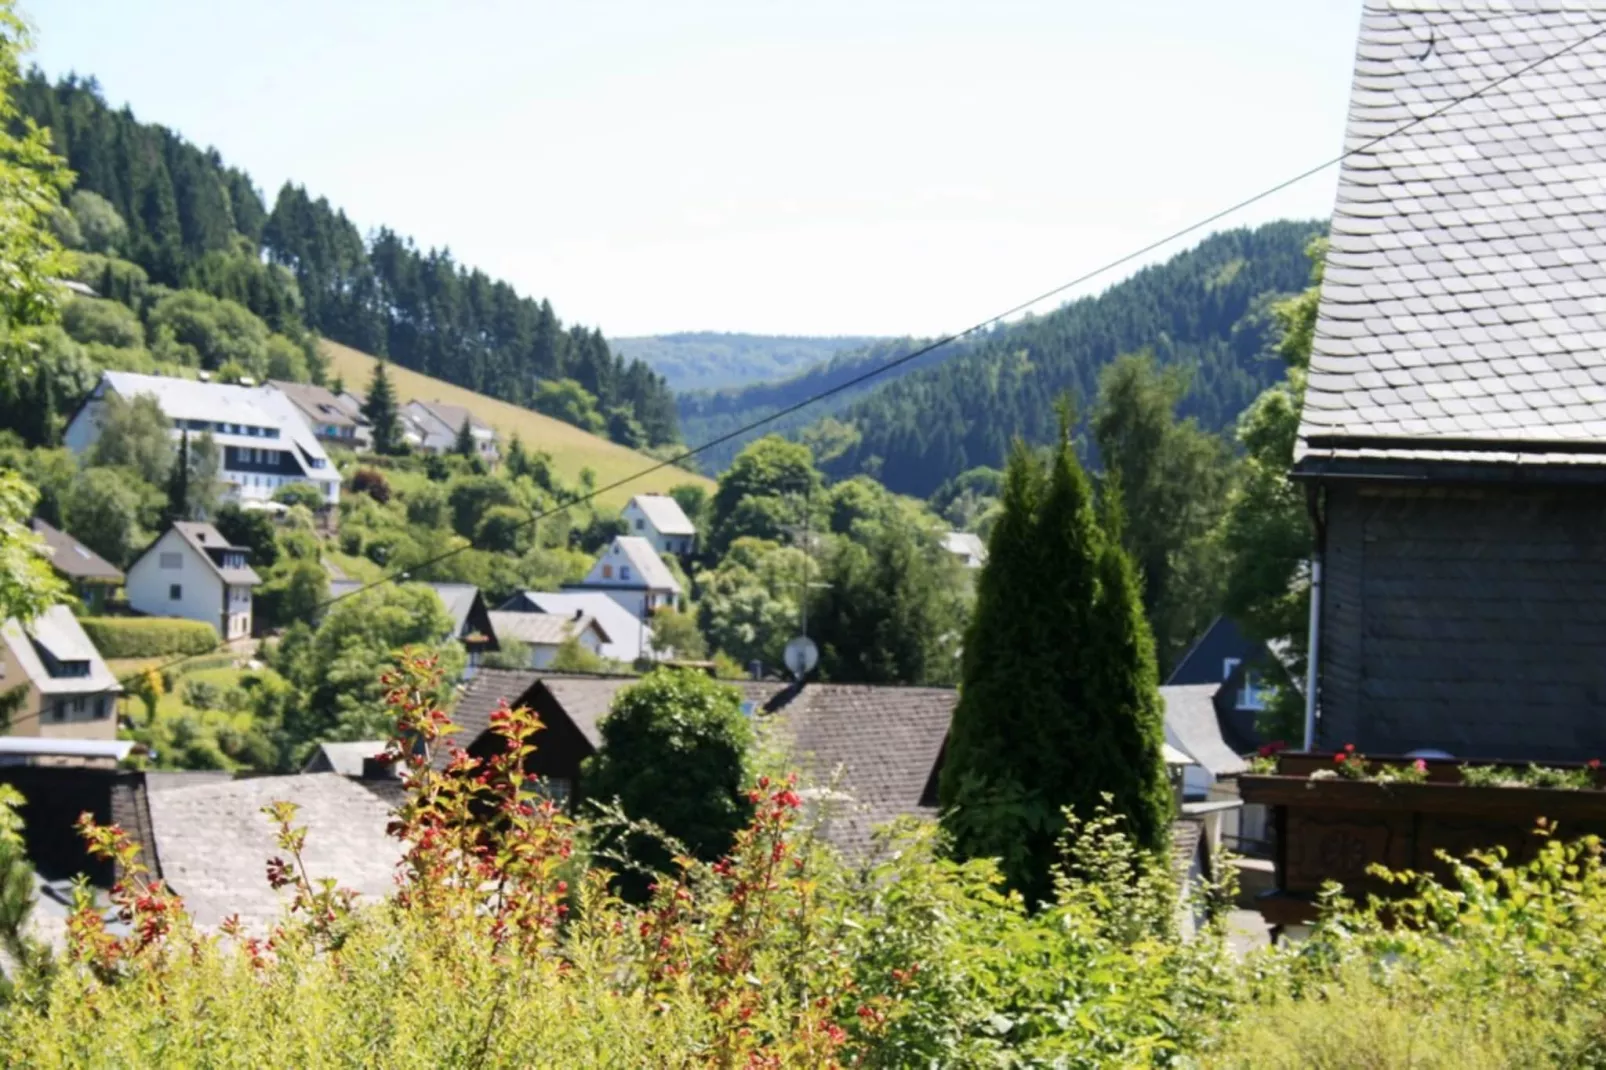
column 262, row 439
column 543, row 634
column 330, row 420
column 70, row 693
column 629, row 638
column 191, row 571
column 93, row 579
column 631, row 573
column 1453, row 437
column 659, row 519
column 438, row 424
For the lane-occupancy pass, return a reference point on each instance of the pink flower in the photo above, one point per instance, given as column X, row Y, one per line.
column 1421, row 766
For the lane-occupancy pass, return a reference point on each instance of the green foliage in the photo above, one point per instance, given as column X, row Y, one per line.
column 134, row 434
column 693, row 501
column 111, row 278
column 104, row 509
column 302, row 494
column 504, row 529
column 762, row 493
column 89, row 319
column 471, row 498
column 217, row 332
column 28, row 585
column 1058, row 705
column 381, row 410
column 291, row 594
column 1174, row 480
column 748, row 604
column 674, row 753
column 567, row 400
column 100, row 228
column 148, row 637
column 1534, row 776
column 571, row 656
column 463, row 446
column 192, row 484
column 251, row 528
column 676, row 632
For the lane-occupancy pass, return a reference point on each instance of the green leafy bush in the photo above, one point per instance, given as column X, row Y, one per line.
column 148, row 637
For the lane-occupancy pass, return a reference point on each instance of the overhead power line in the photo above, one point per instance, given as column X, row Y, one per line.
column 947, row 339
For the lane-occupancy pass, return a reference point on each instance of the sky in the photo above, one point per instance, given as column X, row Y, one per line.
column 829, row 167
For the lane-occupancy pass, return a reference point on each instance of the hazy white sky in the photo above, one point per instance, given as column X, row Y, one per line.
column 827, row 167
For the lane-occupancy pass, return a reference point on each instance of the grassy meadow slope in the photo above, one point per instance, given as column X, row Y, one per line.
column 571, row 448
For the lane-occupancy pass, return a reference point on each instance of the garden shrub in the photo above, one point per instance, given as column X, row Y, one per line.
column 148, row 637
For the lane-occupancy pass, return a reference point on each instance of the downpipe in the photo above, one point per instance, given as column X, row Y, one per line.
column 1315, row 503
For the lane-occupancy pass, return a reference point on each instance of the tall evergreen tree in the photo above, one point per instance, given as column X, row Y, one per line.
column 1052, row 712
column 464, row 446
column 380, row 408
column 517, row 460
column 178, row 483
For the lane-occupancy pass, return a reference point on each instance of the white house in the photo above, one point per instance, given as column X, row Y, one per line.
column 70, row 691
column 544, row 633
column 193, row 572
column 264, row 441
column 439, row 423
column 967, row 547
column 628, row 637
column 659, row 519
column 633, row 575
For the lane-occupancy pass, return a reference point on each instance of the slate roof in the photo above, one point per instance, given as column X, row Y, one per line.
column 480, row 698
column 316, row 402
column 213, row 841
column 451, row 415
column 1191, row 725
column 72, row 558
column 878, row 745
column 628, row 638
column 542, row 629
column 205, row 538
column 57, row 631
column 1463, row 312
column 664, row 513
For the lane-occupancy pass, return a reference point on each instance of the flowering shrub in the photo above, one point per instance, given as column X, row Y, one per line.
column 1534, row 776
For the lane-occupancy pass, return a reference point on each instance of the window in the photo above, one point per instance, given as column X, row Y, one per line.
column 607, row 572
column 1229, row 666
column 58, row 712
column 1251, row 696
column 102, row 708
column 171, row 561
column 640, row 523
column 175, row 591
column 624, row 572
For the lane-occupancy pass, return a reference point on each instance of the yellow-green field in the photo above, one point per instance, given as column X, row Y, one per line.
column 571, row 448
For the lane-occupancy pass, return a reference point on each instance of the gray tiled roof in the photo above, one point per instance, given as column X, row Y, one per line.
column 1464, row 303
column 204, row 538
column 542, row 629
column 213, row 842
column 72, row 558
column 664, row 513
column 1191, row 725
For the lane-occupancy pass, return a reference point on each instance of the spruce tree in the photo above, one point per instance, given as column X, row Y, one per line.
column 178, row 482
column 464, row 446
column 380, row 409
column 518, row 461
column 1058, row 706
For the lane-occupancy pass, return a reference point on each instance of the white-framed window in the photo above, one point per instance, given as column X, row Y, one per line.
column 1251, row 696
column 1229, row 666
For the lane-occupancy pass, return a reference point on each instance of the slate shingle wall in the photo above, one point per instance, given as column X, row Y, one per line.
column 1472, row 621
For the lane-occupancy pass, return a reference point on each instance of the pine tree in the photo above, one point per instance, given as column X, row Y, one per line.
column 464, row 446
column 518, row 461
column 381, row 412
column 1058, row 705
column 37, row 421
column 178, row 483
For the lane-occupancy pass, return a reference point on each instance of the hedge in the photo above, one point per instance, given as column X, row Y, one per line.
column 149, row 637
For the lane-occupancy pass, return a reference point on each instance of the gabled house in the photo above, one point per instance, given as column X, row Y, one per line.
column 93, row 579
column 330, row 421
column 192, row 571
column 967, row 547
column 439, row 422
column 262, row 439
column 660, row 520
column 471, row 620
column 1452, row 442
column 544, row 633
column 631, row 573
column 629, row 638
column 68, row 690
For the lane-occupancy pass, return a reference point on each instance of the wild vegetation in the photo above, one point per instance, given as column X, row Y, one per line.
column 714, row 360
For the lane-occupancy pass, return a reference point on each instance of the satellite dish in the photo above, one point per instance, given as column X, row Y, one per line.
column 801, row 656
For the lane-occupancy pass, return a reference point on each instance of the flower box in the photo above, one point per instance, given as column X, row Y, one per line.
column 1333, row 828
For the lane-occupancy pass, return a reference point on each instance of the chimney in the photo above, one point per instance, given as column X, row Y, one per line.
column 579, row 613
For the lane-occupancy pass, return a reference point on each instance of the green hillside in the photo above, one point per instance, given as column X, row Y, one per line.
column 959, row 407
column 713, row 360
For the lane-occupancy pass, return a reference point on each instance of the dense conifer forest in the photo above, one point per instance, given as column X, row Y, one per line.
column 193, row 221
column 717, row 360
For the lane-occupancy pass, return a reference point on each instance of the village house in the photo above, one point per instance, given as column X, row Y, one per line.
column 68, row 692
column 438, row 423
column 471, row 620
column 262, row 439
column 659, row 519
column 966, row 547
column 93, row 579
column 628, row 637
column 543, row 634
column 331, row 422
column 1453, row 438
column 191, row 571
column 631, row 573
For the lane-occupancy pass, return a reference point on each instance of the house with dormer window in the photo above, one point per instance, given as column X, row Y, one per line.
column 69, row 691
column 631, row 573
column 193, row 572
column 660, row 520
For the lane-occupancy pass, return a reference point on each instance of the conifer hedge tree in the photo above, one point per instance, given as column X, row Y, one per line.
column 1059, row 705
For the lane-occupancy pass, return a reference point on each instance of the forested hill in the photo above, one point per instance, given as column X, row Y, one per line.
column 195, row 222
column 713, row 360
column 958, row 408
